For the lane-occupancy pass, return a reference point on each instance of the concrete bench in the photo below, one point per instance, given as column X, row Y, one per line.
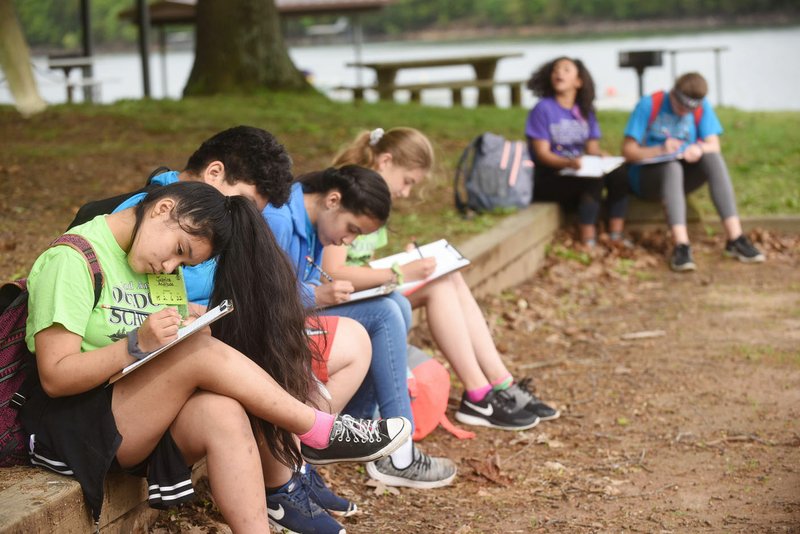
column 36, row 501
column 456, row 87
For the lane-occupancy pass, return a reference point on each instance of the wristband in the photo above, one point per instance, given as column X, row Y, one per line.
column 133, row 345
column 398, row 274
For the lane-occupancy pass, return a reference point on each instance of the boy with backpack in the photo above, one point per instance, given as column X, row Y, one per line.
column 672, row 146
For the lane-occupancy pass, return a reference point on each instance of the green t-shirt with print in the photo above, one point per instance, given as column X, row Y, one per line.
column 61, row 291
column 364, row 246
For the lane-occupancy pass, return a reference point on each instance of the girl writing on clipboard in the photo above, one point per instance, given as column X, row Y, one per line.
column 333, row 207
column 203, row 397
column 403, row 157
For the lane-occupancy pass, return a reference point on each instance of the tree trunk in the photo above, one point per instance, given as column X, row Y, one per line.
column 15, row 60
column 240, row 49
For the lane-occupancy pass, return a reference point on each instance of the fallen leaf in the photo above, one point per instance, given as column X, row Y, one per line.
column 555, row 466
column 381, row 488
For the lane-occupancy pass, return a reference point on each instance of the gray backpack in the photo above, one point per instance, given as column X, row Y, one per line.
column 493, row 173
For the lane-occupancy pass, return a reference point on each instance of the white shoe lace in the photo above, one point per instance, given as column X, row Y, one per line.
column 347, row 428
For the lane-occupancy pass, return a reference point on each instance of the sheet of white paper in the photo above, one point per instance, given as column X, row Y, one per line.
column 448, row 259
column 198, row 324
column 365, row 294
column 595, row 166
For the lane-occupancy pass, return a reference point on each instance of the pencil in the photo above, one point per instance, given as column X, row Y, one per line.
column 328, row 277
column 416, row 246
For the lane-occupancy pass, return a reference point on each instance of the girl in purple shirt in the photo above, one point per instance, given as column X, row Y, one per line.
column 560, row 129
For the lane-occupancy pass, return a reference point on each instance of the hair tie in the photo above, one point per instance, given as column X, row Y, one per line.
column 375, row 136
column 228, row 204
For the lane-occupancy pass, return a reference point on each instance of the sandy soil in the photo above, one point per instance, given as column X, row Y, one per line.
column 694, row 429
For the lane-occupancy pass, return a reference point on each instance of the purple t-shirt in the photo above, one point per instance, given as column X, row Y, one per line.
column 566, row 129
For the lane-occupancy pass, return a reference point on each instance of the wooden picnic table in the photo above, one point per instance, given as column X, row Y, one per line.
column 483, row 65
column 68, row 62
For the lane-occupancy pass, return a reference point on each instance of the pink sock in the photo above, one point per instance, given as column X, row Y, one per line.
column 319, row 435
column 503, row 382
column 478, row 394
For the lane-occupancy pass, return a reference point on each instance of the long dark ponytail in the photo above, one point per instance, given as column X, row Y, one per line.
column 268, row 325
column 364, row 191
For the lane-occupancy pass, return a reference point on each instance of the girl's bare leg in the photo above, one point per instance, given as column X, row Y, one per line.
column 217, row 428
column 733, row 227
column 479, row 334
column 348, row 364
column 146, row 402
column 450, row 329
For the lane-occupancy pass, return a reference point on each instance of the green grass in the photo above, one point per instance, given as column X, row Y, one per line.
column 760, row 148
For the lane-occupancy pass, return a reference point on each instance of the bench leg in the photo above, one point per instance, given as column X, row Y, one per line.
column 516, row 94
column 457, row 101
column 415, row 95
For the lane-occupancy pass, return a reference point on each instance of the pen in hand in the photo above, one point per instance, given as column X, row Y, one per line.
column 328, row 277
column 416, row 246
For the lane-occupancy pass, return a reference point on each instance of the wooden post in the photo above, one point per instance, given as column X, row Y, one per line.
column 457, row 102
column 358, row 94
column 416, row 95
column 516, row 94
column 484, row 70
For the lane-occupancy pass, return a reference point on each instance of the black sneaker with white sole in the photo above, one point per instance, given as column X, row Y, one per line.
column 359, row 440
column 681, row 260
column 523, row 394
column 743, row 250
column 497, row 410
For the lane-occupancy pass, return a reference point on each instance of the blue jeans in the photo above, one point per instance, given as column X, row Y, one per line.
column 387, row 320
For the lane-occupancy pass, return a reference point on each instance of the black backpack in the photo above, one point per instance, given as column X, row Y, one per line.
column 493, row 173
column 104, row 206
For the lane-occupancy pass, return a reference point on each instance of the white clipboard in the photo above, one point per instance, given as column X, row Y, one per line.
column 224, row 308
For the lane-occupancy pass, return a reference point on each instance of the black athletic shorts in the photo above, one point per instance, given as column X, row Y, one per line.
column 77, row 436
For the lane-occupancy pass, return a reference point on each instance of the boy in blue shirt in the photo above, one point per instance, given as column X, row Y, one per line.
column 672, row 146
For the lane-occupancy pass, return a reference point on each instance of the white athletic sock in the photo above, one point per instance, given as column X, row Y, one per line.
column 404, row 455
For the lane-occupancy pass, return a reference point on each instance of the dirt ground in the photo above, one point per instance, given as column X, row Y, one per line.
column 680, row 399
column 695, row 430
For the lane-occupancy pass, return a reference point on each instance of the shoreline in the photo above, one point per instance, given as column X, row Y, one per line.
column 609, row 29
column 586, row 29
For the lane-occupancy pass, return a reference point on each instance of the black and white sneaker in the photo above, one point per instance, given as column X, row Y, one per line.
column 523, row 394
column 424, row 472
column 359, row 440
column 497, row 410
column 743, row 250
column 681, row 260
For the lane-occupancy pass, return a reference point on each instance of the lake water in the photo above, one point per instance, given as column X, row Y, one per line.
column 759, row 71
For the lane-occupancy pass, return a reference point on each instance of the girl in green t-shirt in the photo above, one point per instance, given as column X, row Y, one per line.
column 203, row 397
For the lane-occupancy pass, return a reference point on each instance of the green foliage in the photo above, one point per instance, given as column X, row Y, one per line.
column 56, row 23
